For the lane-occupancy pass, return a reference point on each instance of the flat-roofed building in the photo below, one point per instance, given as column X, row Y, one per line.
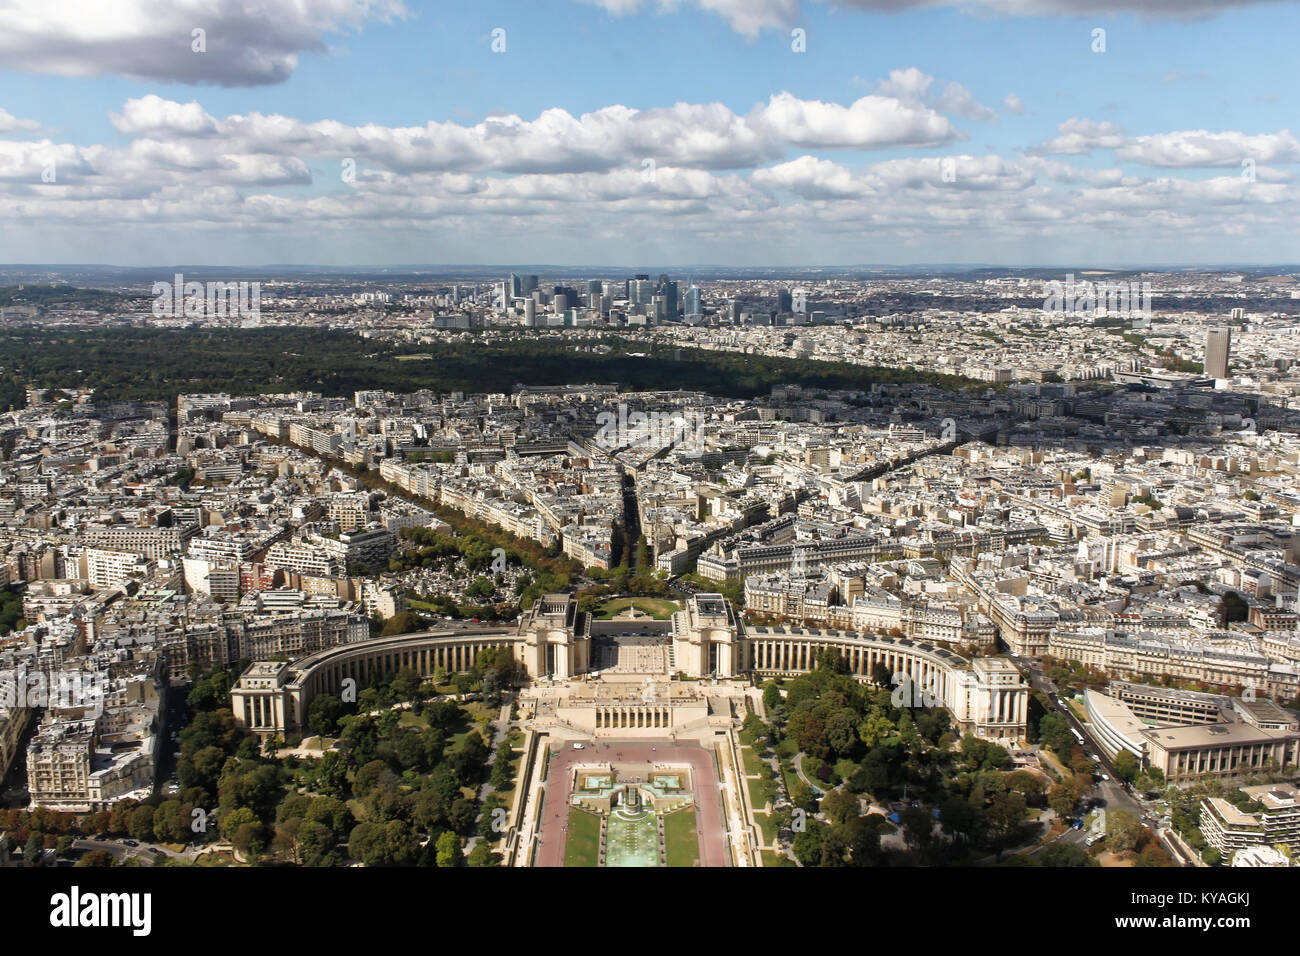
column 1275, row 822
column 1227, row 749
column 1165, row 705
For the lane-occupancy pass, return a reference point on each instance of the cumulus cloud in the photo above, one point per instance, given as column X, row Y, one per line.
column 1189, row 148
column 913, row 88
column 1177, row 148
column 872, row 122
column 10, row 123
column 248, row 43
column 1031, row 8
column 750, row 17
column 580, row 183
column 706, row 136
column 746, row 17
column 1013, row 104
column 1079, row 136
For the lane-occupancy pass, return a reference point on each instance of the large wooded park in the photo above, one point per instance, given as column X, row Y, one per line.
column 159, row 364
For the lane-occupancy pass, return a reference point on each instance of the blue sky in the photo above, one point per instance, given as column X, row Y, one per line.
column 119, row 144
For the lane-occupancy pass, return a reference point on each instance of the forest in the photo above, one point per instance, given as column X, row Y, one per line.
column 159, row 364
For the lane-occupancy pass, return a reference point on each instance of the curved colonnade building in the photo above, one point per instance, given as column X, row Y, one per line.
column 554, row 640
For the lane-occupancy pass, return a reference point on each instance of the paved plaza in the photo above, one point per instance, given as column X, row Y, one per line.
column 631, row 759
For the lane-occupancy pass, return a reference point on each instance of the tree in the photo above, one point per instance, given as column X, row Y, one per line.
column 323, row 714
column 141, row 826
column 839, row 731
column 801, row 795
column 248, row 840
column 1066, row 854
column 1062, row 799
column 808, row 844
column 918, row 828
column 771, row 698
column 1006, row 815
column 171, row 822
column 34, row 850
column 840, row 806
column 401, row 847
column 1126, row 765
column 315, row 845
column 231, row 821
column 1054, row 732
column 1025, row 782
column 1123, row 831
column 449, row 853
column 482, row 855
column 401, row 623
column 331, row 813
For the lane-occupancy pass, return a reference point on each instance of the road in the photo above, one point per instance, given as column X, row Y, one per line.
column 1115, row 794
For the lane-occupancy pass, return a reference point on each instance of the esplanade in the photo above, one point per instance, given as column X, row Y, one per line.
column 553, row 641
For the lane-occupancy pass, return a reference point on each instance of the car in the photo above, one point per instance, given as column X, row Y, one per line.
column 129, row 843
column 1105, row 776
column 579, row 746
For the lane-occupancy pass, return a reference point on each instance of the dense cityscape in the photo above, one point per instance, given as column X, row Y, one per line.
column 649, row 435
column 1085, row 556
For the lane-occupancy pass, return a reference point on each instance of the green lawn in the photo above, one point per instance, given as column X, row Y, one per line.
column 680, row 838
column 761, row 791
column 657, row 608
column 752, row 764
column 775, row 859
column 582, row 845
column 767, row 824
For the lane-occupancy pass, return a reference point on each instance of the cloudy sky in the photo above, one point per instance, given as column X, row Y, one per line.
column 620, row 132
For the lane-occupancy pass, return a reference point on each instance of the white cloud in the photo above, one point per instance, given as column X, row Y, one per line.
column 10, row 123
column 248, row 43
column 1032, row 8
column 705, row 136
column 959, row 100
column 912, row 87
column 577, row 184
column 872, row 122
column 750, row 17
column 1013, row 104
column 1079, row 136
column 153, row 114
column 746, row 17
column 1188, row 148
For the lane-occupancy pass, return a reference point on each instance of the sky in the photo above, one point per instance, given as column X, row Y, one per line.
column 1111, row 133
